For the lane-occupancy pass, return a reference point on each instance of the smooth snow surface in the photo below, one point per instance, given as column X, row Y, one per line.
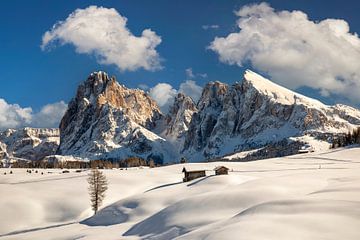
column 307, row 196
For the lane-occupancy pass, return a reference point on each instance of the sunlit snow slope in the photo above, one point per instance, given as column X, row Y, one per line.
column 309, row 196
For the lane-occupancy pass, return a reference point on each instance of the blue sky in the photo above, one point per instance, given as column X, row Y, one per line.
column 33, row 78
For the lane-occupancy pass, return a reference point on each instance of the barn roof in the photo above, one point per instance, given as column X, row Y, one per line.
column 192, row 169
column 220, row 167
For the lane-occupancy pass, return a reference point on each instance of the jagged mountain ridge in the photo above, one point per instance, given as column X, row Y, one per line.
column 226, row 119
column 258, row 112
column 106, row 120
column 29, row 143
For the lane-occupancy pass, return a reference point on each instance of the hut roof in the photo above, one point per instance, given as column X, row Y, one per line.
column 220, row 167
column 192, row 169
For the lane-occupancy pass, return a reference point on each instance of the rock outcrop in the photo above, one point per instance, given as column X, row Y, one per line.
column 178, row 119
column 29, row 143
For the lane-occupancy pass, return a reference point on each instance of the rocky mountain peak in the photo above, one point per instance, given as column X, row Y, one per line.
column 100, row 91
column 213, row 94
column 179, row 117
column 93, row 86
column 110, row 120
column 182, row 101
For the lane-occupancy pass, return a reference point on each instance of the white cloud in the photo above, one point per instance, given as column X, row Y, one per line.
column 191, row 75
column 102, row 32
column 294, row 50
column 164, row 93
column 14, row 116
column 203, row 75
column 49, row 115
column 191, row 89
column 206, row 27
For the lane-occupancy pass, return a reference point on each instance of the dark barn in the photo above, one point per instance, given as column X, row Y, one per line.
column 221, row 170
column 190, row 175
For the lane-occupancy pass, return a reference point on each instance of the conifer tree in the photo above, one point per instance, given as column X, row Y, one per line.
column 97, row 187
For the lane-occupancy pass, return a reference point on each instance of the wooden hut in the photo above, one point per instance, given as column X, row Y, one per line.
column 190, row 175
column 221, row 170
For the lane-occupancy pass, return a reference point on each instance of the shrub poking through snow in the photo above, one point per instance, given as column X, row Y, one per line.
column 97, row 187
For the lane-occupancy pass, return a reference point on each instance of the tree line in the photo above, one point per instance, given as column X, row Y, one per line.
column 347, row 139
column 100, row 164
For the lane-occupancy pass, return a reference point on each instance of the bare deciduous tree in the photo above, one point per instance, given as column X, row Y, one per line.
column 97, row 187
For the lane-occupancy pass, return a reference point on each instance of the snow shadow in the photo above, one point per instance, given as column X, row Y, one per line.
column 199, row 180
column 35, row 229
column 111, row 215
column 162, row 186
column 157, row 226
column 334, row 190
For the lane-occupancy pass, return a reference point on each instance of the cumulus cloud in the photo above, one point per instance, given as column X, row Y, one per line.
column 191, row 89
column 294, row 50
column 102, row 32
column 14, row 116
column 49, row 115
column 164, row 93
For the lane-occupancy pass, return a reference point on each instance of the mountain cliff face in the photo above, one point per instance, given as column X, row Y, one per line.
column 179, row 118
column 108, row 120
column 209, row 108
column 256, row 113
column 29, row 143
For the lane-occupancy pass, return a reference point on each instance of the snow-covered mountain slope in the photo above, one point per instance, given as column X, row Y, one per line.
column 106, row 120
column 29, row 143
column 256, row 113
column 178, row 119
column 311, row 196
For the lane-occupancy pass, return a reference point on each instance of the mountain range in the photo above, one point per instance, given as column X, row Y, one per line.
column 107, row 120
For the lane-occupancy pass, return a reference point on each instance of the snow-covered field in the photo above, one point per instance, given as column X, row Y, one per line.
column 309, row 196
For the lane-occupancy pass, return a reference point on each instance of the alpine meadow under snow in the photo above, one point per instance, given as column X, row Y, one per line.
column 311, row 196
